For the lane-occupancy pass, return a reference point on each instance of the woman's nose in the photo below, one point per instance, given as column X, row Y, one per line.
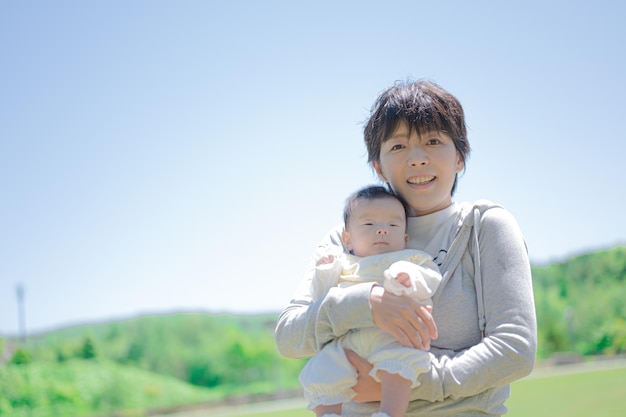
column 418, row 156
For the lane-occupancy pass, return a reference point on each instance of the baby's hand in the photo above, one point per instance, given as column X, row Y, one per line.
column 403, row 279
column 325, row 260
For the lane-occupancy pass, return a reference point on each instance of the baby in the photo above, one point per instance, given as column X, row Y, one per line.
column 375, row 222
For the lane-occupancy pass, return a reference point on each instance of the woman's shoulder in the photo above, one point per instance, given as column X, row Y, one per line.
column 333, row 238
column 487, row 213
column 482, row 205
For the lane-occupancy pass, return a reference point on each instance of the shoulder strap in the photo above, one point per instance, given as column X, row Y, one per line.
column 474, row 248
column 467, row 237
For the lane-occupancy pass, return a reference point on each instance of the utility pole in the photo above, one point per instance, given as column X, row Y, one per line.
column 19, row 289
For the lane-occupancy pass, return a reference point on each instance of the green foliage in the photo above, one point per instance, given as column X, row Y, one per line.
column 580, row 304
column 229, row 353
column 117, row 366
column 88, row 350
column 124, row 365
column 78, row 387
column 21, row 357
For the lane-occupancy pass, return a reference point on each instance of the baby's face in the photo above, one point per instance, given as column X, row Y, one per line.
column 376, row 226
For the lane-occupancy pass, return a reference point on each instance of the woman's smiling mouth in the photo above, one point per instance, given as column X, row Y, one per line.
column 420, row 180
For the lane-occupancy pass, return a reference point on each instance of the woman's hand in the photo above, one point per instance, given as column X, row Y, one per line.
column 366, row 388
column 404, row 318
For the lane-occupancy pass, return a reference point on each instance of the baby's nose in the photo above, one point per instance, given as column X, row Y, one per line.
column 382, row 231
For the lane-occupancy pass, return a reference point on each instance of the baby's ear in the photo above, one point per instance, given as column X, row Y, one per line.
column 406, row 239
column 345, row 238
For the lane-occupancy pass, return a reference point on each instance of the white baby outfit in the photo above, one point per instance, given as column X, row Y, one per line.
column 328, row 377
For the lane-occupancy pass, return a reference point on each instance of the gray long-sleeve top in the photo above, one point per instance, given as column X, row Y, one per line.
column 482, row 254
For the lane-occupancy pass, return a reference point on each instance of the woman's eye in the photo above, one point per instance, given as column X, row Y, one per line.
column 396, row 147
column 433, row 142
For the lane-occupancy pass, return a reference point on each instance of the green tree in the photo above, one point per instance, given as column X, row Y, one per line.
column 202, row 373
column 135, row 352
column 88, row 349
column 21, row 357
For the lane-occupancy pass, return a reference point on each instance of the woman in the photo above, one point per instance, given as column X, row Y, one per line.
column 482, row 330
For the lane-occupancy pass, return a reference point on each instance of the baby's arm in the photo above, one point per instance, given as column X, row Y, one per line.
column 404, row 279
column 327, row 254
column 325, row 260
column 408, row 278
column 327, row 270
column 306, row 324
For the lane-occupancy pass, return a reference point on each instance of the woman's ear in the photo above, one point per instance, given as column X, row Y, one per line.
column 379, row 171
column 460, row 165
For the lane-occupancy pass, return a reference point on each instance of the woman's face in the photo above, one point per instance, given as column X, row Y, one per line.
column 421, row 168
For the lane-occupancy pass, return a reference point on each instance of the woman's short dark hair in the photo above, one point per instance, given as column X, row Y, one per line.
column 425, row 107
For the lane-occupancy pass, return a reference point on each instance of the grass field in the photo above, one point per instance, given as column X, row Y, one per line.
column 583, row 390
column 600, row 393
column 580, row 393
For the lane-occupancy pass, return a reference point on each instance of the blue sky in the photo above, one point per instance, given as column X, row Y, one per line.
column 161, row 156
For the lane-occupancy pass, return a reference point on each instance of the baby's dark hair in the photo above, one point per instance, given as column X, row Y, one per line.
column 368, row 193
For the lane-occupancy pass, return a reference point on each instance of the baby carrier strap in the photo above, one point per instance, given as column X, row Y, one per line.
column 467, row 237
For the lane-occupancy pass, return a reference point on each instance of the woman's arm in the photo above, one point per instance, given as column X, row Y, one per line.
column 403, row 317
column 305, row 326
column 508, row 350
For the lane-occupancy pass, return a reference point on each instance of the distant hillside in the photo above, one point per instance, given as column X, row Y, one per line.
column 595, row 268
column 580, row 309
column 83, row 387
column 585, row 290
column 202, row 357
column 199, row 348
column 580, row 303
